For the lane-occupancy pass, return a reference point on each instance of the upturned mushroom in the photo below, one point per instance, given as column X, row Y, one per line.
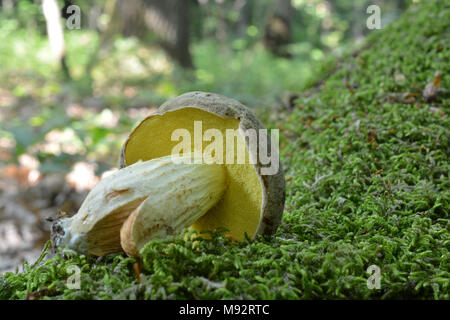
column 214, row 177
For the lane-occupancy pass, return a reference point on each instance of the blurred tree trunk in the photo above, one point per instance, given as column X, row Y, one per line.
column 55, row 33
column 7, row 5
column 278, row 31
column 242, row 9
column 168, row 19
column 221, row 28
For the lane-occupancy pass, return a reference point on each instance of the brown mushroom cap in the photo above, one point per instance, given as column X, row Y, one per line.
column 150, row 139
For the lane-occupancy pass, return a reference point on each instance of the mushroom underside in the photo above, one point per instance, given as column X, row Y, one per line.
column 240, row 208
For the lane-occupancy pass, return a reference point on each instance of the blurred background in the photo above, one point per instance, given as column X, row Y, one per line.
column 77, row 76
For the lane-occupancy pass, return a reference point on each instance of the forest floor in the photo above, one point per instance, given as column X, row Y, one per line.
column 365, row 153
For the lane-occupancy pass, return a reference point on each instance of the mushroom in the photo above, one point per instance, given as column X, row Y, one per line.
column 165, row 185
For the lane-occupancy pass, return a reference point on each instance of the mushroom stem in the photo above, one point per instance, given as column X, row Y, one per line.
column 148, row 199
column 194, row 189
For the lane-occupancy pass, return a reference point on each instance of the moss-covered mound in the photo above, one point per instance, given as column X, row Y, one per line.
column 367, row 159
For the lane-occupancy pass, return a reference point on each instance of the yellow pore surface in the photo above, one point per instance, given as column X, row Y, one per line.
column 239, row 210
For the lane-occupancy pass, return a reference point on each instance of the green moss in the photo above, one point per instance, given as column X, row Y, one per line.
column 368, row 184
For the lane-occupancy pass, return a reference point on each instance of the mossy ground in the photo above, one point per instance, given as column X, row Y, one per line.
column 366, row 159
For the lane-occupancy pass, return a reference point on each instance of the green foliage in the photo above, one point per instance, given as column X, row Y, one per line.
column 252, row 75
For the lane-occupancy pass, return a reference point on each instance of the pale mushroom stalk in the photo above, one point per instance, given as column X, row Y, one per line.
column 146, row 200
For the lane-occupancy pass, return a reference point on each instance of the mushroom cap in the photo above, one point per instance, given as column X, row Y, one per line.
column 272, row 187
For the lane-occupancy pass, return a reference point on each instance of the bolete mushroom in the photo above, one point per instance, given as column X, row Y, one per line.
column 165, row 185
